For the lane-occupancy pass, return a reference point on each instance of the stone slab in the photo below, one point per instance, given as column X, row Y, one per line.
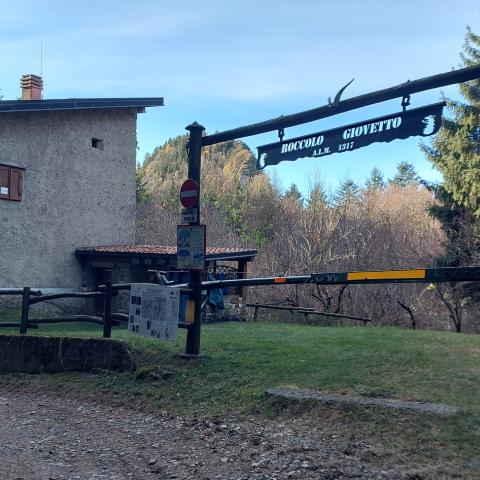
column 303, row 394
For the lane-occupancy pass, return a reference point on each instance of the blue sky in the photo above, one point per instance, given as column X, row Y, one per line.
column 231, row 63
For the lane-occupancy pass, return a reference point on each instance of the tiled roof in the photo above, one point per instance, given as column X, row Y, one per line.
column 167, row 250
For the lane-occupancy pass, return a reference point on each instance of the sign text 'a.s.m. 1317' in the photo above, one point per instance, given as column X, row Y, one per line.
column 421, row 121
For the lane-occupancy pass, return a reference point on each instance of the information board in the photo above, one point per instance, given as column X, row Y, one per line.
column 154, row 311
column 191, row 249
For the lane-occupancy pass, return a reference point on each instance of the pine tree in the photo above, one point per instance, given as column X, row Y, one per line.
column 405, row 176
column 141, row 189
column 317, row 198
column 347, row 191
column 293, row 193
column 375, row 180
column 456, row 149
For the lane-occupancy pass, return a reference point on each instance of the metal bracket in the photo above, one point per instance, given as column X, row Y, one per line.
column 405, row 102
column 336, row 100
column 281, row 134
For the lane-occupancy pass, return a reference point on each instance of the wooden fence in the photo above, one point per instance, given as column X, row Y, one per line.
column 32, row 297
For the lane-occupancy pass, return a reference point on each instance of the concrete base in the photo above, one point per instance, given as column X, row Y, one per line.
column 191, row 356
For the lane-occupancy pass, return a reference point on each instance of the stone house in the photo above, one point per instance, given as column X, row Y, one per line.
column 67, row 179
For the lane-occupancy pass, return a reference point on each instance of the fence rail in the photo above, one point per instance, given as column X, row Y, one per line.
column 306, row 311
column 26, row 322
column 108, row 291
column 56, row 296
column 17, row 291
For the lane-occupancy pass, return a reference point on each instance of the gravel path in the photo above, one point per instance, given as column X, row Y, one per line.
column 46, row 437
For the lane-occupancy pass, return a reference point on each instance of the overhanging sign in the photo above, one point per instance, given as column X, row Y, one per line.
column 423, row 121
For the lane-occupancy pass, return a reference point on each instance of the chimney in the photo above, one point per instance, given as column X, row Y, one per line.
column 32, row 87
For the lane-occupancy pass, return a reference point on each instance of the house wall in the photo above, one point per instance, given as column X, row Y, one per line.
column 74, row 195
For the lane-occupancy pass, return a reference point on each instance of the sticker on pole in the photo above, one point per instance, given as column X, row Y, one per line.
column 191, row 248
column 189, row 193
column 188, row 215
column 154, row 311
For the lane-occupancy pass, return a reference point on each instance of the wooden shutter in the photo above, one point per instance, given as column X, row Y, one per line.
column 4, row 182
column 16, row 184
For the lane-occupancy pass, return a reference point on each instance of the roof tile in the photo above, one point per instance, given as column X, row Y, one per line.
column 159, row 250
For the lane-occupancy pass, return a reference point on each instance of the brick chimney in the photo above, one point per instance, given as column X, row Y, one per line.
column 32, row 87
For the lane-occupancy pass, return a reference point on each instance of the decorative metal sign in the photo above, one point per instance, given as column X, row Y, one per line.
column 421, row 121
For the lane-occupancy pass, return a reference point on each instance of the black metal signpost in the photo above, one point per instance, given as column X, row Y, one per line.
column 194, row 165
column 418, row 122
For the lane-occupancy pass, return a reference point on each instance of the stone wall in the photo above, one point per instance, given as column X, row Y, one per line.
column 35, row 354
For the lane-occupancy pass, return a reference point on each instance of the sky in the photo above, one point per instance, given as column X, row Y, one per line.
column 231, row 63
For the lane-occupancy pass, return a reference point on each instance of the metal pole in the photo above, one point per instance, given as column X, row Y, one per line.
column 192, row 347
column 107, row 317
column 407, row 88
column 25, row 308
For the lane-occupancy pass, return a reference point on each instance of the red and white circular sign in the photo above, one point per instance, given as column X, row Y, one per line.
column 189, row 193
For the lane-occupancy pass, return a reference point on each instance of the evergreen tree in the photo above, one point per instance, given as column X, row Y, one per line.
column 141, row 189
column 405, row 176
column 293, row 193
column 317, row 197
column 347, row 191
column 456, row 149
column 375, row 180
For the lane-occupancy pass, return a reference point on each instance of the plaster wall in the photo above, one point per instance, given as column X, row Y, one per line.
column 74, row 195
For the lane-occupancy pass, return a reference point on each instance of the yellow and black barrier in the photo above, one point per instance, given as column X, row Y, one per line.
column 417, row 275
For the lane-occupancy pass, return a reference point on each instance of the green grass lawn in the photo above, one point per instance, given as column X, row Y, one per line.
column 242, row 360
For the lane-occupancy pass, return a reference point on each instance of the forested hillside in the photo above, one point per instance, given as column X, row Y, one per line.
column 381, row 224
column 385, row 223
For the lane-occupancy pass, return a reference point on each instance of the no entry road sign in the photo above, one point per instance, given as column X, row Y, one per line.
column 189, row 193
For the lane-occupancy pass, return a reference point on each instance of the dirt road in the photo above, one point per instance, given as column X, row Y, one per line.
column 47, row 437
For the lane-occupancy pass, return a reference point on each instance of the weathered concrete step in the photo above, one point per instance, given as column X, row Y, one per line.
column 303, row 394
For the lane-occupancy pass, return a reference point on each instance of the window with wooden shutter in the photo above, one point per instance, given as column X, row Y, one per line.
column 11, row 183
column 16, row 184
column 4, row 182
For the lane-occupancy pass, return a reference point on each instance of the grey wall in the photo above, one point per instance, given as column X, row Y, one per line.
column 74, row 195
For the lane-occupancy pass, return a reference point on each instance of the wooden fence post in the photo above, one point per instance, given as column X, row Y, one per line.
column 25, row 308
column 107, row 317
column 255, row 315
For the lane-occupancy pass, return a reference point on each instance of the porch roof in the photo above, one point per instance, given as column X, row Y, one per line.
column 213, row 253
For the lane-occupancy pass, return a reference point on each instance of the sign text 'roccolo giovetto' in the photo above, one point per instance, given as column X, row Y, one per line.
column 422, row 121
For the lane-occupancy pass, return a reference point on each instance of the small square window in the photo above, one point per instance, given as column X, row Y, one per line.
column 97, row 143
